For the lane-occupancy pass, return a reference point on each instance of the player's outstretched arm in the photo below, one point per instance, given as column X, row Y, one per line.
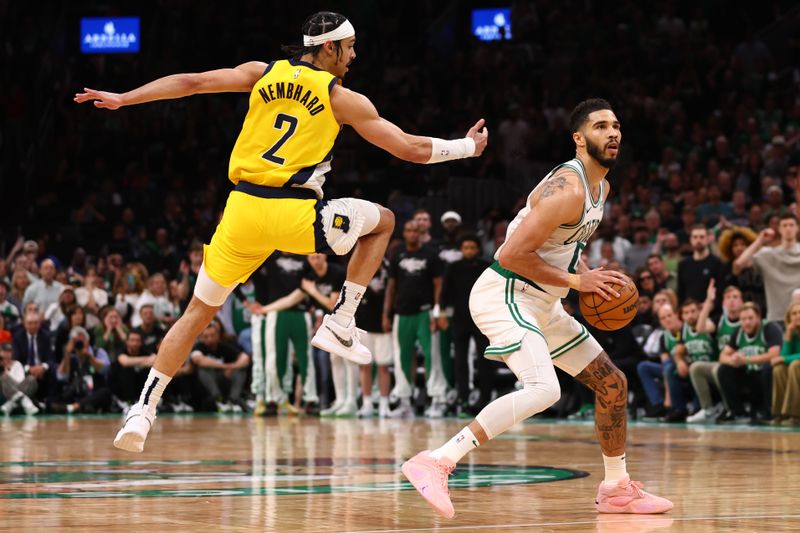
column 224, row 80
column 356, row 110
column 559, row 201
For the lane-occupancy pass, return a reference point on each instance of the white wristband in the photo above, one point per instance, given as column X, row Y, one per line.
column 437, row 311
column 442, row 150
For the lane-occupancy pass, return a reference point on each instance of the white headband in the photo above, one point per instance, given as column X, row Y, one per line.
column 344, row 31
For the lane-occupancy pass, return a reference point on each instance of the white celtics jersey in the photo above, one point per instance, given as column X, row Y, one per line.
column 563, row 248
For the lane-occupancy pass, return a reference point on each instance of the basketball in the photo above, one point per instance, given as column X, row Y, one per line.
column 610, row 315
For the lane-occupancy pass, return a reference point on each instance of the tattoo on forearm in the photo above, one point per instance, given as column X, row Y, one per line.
column 611, row 398
column 553, row 185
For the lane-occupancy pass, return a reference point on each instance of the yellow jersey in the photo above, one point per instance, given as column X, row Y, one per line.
column 289, row 131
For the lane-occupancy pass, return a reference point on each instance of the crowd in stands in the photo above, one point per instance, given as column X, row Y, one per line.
column 101, row 253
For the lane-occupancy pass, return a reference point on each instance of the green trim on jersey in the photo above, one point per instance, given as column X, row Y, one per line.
column 671, row 342
column 751, row 346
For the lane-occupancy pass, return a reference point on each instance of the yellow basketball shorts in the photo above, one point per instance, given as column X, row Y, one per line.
column 259, row 220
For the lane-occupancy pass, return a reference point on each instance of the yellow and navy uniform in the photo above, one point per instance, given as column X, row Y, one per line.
column 278, row 166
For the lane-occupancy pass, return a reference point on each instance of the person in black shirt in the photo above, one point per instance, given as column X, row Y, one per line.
column 221, row 364
column 151, row 330
column 695, row 272
column 379, row 342
column 457, row 283
column 413, row 290
column 745, row 366
column 449, row 249
column 322, row 285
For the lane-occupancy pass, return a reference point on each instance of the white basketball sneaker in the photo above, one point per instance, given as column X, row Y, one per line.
column 135, row 429
column 342, row 341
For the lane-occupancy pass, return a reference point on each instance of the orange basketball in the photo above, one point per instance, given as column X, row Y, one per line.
column 610, row 315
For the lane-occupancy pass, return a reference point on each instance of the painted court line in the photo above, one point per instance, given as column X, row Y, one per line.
column 656, row 518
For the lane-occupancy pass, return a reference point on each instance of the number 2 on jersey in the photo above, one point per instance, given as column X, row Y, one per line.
column 280, row 120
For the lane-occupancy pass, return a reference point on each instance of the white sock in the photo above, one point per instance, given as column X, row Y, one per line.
column 348, row 302
column 366, row 399
column 153, row 389
column 383, row 402
column 615, row 469
column 457, row 447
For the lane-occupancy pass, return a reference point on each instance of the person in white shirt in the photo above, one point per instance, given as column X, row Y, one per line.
column 156, row 295
column 91, row 296
column 17, row 387
column 45, row 291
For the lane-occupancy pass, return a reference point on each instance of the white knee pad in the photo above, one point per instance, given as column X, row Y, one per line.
column 344, row 220
column 533, row 367
column 209, row 291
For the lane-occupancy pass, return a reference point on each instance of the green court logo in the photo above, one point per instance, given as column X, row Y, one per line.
column 126, row 479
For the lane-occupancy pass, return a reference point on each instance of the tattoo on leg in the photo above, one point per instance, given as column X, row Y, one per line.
column 611, row 398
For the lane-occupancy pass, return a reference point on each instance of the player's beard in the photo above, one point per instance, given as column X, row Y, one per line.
column 596, row 152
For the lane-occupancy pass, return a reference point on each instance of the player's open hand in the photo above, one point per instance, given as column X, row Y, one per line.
column 480, row 136
column 600, row 281
column 102, row 99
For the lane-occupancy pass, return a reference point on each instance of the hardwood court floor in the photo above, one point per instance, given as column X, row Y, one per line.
column 228, row 473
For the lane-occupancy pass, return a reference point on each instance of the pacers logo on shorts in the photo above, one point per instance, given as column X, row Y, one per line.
column 341, row 223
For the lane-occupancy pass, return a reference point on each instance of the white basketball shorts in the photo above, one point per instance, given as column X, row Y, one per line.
column 506, row 308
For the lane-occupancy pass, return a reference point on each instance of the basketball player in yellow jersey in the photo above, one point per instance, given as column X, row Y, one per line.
column 278, row 166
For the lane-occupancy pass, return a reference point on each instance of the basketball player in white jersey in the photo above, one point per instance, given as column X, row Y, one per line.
column 517, row 304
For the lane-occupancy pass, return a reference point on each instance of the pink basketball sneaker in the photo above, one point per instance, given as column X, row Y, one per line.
column 628, row 497
column 429, row 477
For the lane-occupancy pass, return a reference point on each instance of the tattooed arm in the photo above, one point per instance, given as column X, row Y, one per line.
column 611, row 399
column 559, row 201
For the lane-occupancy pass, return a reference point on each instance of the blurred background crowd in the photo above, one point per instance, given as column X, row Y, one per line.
column 104, row 213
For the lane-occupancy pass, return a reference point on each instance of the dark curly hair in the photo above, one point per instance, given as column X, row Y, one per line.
column 316, row 24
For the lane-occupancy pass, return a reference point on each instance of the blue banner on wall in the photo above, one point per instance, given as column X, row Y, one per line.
column 112, row 35
column 492, row 24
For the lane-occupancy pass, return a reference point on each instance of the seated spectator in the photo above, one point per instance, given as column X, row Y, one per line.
column 46, row 290
column 745, row 372
column 646, row 283
column 221, row 365
column 83, row 374
column 786, row 372
column 698, row 347
column 732, row 243
column 128, row 288
column 19, row 284
column 91, row 296
column 638, row 253
column 129, row 371
column 110, row 335
column 57, row 312
column 156, row 295
column 150, row 329
column 651, row 373
column 8, row 310
column 704, row 373
column 616, row 246
column 17, row 386
column 76, row 316
column 32, row 348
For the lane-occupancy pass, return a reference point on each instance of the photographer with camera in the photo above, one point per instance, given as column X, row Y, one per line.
column 83, row 372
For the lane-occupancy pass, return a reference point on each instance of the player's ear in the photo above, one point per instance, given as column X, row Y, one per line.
column 578, row 138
